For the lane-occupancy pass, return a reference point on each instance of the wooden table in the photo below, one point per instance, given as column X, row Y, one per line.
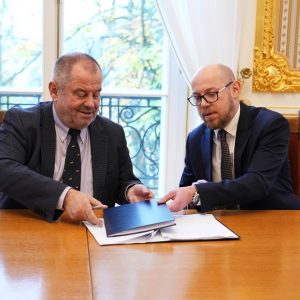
column 39, row 260
column 263, row 264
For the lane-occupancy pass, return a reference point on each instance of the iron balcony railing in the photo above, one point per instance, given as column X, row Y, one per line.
column 140, row 117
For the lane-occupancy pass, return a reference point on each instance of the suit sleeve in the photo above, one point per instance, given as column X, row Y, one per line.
column 188, row 175
column 20, row 179
column 263, row 160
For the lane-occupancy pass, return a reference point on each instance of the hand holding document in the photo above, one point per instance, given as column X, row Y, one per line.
column 188, row 228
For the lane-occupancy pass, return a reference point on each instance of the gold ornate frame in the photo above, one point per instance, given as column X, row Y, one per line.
column 271, row 69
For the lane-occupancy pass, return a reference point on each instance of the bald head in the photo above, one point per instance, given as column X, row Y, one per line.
column 214, row 72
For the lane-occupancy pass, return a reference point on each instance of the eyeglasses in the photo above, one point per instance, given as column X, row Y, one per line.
column 210, row 97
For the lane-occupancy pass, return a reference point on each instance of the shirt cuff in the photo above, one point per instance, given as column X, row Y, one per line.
column 127, row 188
column 60, row 203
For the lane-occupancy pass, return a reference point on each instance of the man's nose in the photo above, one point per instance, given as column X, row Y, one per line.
column 203, row 103
column 90, row 100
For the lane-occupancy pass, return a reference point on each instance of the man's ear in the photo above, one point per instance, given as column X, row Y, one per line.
column 236, row 88
column 53, row 90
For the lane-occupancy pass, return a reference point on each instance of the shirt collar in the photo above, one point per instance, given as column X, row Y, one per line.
column 62, row 130
column 231, row 128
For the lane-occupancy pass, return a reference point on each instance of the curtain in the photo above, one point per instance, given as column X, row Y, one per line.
column 203, row 32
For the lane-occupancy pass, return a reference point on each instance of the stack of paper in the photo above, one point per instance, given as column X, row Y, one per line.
column 188, row 228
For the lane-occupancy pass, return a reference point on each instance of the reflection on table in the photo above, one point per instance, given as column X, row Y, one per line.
column 40, row 260
column 264, row 263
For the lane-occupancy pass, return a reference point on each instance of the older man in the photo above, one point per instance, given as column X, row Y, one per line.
column 35, row 160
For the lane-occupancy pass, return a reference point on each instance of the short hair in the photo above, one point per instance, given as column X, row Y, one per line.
column 64, row 64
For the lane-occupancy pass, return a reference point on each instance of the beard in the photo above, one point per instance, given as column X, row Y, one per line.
column 219, row 117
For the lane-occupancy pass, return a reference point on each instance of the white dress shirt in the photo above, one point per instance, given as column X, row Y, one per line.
column 62, row 142
column 231, row 129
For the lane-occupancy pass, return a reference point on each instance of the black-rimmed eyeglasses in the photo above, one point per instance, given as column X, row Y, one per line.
column 210, row 97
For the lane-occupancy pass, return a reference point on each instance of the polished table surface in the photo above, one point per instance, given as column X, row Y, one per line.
column 263, row 264
column 39, row 260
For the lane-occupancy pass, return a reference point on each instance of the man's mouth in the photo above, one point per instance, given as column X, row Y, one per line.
column 87, row 113
column 208, row 116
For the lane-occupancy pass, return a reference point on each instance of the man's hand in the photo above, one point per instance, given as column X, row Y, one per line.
column 79, row 206
column 182, row 197
column 139, row 192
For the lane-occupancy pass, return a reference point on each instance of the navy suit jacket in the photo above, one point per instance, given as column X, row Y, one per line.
column 262, row 176
column 27, row 158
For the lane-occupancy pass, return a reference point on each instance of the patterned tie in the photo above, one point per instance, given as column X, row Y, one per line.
column 226, row 165
column 71, row 175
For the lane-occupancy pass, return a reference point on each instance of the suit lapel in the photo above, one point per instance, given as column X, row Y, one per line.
column 242, row 137
column 206, row 150
column 48, row 140
column 99, row 151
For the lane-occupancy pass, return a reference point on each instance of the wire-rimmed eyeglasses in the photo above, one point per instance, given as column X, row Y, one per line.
column 210, row 97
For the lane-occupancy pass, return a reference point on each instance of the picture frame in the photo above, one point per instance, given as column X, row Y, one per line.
column 276, row 66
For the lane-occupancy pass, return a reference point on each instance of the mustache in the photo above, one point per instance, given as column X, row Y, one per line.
column 206, row 112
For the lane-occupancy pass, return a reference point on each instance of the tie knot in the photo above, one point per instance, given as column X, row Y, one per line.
column 73, row 132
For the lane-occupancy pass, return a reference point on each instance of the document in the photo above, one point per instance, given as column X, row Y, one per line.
column 136, row 217
column 195, row 227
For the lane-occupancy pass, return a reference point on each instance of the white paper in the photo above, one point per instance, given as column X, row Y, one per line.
column 197, row 227
column 99, row 233
column 187, row 228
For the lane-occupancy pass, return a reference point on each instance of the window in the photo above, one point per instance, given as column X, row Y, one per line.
column 126, row 37
column 128, row 40
column 21, row 52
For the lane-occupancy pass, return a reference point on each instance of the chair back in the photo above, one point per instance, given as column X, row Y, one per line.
column 294, row 150
column 2, row 113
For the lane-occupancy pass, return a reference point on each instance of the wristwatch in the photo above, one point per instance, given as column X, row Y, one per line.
column 196, row 199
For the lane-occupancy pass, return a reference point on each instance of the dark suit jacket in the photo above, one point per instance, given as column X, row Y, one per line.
column 27, row 156
column 262, row 177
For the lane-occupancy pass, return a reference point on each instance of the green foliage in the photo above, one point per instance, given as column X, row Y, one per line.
column 126, row 37
column 20, row 44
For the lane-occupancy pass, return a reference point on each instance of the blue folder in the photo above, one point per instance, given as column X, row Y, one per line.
column 137, row 217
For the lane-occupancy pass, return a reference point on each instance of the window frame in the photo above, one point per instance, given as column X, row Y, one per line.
column 173, row 111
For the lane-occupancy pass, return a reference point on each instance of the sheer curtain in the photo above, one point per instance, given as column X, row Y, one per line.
column 203, row 32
